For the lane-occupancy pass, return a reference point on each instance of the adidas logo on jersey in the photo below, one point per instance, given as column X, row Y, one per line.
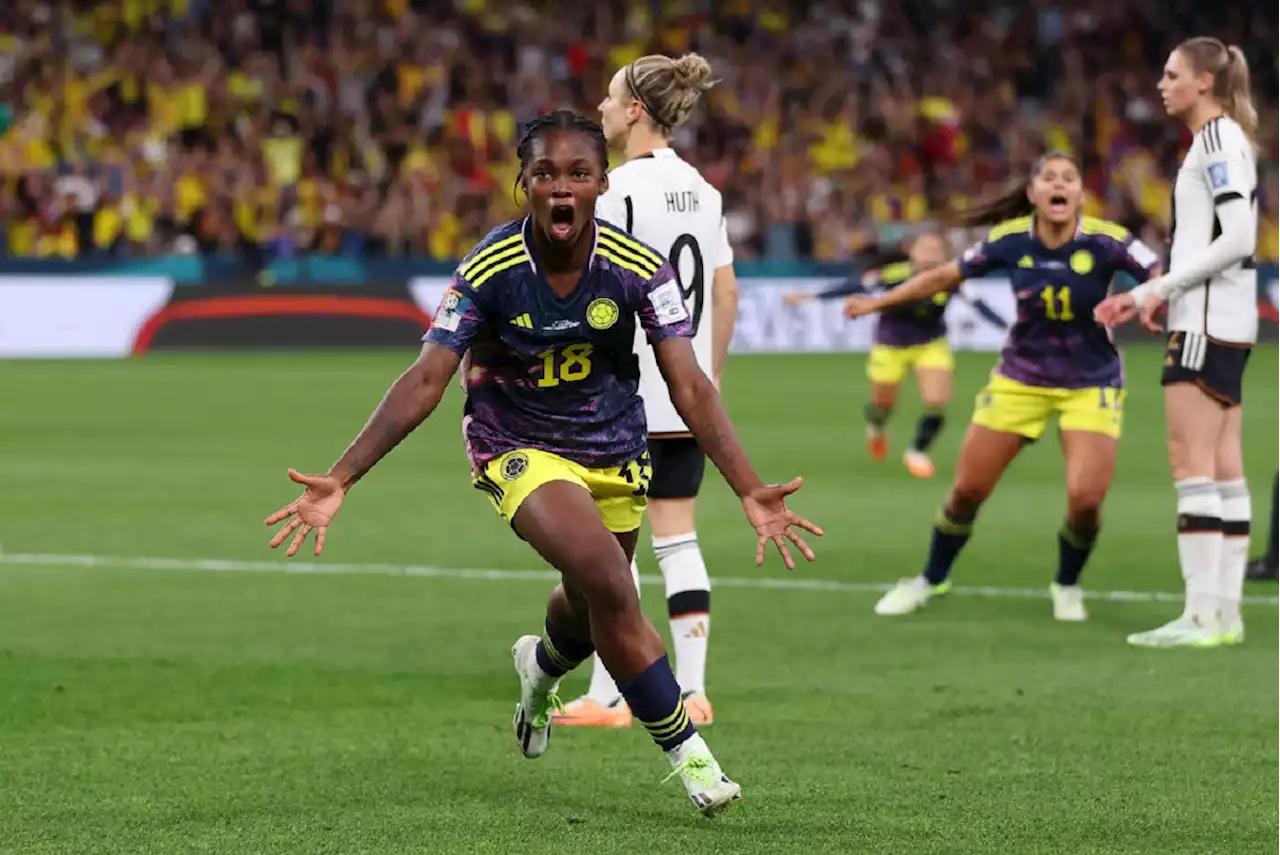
column 524, row 322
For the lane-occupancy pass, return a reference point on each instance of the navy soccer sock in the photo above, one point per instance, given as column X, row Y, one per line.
column 927, row 430
column 654, row 698
column 950, row 534
column 558, row 654
column 1073, row 552
column 877, row 416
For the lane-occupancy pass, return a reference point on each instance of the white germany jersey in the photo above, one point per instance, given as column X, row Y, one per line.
column 1219, row 167
column 666, row 203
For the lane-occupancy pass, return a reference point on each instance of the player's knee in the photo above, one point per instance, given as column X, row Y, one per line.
column 966, row 498
column 611, row 592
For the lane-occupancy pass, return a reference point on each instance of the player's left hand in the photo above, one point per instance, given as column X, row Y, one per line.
column 768, row 513
column 313, row 510
column 856, row 307
column 1148, row 310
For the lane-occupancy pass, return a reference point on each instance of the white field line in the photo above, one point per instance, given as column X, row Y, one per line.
column 777, row 583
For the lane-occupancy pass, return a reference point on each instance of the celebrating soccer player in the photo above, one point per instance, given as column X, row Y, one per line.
column 1211, row 290
column 663, row 201
column 1057, row 361
column 545, row 310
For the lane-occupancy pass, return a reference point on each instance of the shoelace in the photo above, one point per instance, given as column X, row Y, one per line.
column 542, row 717
column 697, row 768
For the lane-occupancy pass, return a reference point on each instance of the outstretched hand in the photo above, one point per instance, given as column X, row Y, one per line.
column 856, row 307
column 1115, row 310
column 1119, row 309
column 313, row 510
column 767, row 511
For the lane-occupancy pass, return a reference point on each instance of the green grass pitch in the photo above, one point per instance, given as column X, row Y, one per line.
column 144, row 709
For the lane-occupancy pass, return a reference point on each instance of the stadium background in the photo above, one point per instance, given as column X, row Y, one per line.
column 282, row 172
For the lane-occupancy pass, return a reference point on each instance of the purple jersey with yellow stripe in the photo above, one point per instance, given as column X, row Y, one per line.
column 915, row 323
column 1055, row 341
column 555, row 373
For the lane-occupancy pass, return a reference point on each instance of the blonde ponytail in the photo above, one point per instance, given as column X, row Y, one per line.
column 1230, row 70
column 1238, row 99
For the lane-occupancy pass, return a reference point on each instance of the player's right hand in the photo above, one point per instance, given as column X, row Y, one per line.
column 856, row 307
column 1115, row 310
column 313, row 510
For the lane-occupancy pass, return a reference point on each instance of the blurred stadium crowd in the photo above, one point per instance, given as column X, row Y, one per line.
column 274, row 127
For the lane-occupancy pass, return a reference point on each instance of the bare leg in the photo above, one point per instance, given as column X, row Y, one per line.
column 1090, row 462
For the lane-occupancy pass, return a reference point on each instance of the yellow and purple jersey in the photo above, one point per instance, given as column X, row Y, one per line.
column 1055, row 341
column 915, row 323
column 555, row 373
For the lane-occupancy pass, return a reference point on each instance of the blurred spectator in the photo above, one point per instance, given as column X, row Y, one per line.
column 272, row 128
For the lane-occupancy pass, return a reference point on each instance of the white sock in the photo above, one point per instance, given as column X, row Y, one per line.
column 688, row 604
column 1237, row 512
column 603, row 689
column 1200, row 545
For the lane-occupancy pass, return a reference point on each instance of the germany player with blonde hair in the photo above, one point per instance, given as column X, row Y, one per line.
column 664, row 202
column 1211, row 292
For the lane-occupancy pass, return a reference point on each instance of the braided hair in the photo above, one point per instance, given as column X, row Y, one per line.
column 560, row 120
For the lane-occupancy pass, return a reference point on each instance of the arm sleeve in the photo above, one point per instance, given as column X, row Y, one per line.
column 1229, row 173
column 980, row 259
column 458, row 318
column 661, row 308
column 1137, row 259
column 724, row 249
column 612, row 207
column 850, row 285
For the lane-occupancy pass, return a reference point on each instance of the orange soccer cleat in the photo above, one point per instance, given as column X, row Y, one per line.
column 877, row 443
column 918, row 464
column 699, row 709
column 588, row 712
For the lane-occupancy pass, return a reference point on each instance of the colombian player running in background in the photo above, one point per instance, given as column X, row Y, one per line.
column 1211, row 289
column 1057, row 360
column 666, row 203
column 545, row 311
column 909, row 337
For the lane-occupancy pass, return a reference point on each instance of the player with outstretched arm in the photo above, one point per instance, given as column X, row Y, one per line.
column 544, row 310
column 1211, row 290
column 1057, row 361
column 663, row 201
column 910, row 337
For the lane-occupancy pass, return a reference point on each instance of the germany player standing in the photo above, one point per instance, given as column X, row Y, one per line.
column 545, row 311
column 1056, row 361
column 664, row 201
column 1211, row 289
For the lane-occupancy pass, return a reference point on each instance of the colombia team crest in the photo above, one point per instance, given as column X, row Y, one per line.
column 1081, row 261
column 514, row 466
column 602, row 313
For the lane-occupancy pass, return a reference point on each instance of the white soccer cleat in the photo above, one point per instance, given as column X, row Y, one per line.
column 1186, row 631
column 1233, row 632
column 908, row 596
column 532, row 721
column 1068, row 602
column 709, row 788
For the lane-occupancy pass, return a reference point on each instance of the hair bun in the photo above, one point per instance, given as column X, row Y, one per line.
column 693, row 73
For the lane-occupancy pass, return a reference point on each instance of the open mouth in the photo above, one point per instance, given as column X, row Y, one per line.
column 1058, row 204
column 561, row 221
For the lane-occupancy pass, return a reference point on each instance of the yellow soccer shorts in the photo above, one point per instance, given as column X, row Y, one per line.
column 1013, row 407
column 619, row 492
column 888, row 365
